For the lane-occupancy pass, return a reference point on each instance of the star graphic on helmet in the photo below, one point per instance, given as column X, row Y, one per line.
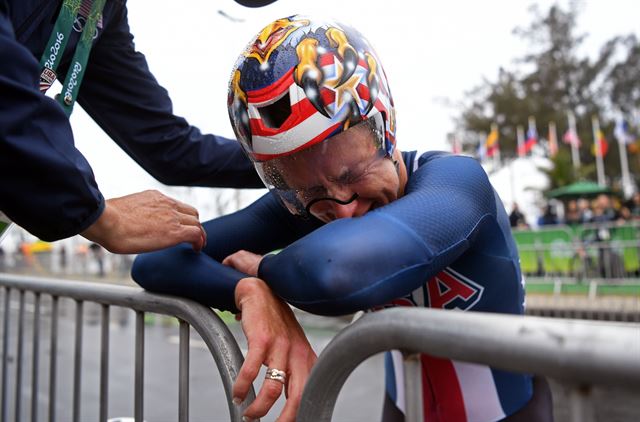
column 347, row 92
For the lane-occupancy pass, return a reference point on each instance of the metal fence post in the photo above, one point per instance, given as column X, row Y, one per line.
column 77, row 362
column 20, row 346
column 413, row 388
column 104, row 364
column 581, row 407
column 138, row 410
column 183, row 373
column 35, row 358
column 4, row 411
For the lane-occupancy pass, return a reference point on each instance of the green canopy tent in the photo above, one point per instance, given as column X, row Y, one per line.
column 583, row 189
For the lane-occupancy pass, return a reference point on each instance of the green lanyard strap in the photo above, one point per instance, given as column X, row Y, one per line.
column 56, row 45
column 60, row 34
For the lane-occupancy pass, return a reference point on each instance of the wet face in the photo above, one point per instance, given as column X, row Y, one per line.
column 344, row 176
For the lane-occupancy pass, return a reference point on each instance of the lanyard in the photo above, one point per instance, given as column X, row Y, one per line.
column 56, row 45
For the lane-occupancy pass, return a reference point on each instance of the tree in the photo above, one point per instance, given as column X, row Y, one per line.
column 550, row 80
column 624, row 77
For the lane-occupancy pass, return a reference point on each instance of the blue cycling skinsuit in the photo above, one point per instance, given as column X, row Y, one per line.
column 47, row 185
column 445, row 244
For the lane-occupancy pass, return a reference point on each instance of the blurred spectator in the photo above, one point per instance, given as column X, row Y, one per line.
column 584, row 210
column 63, row 258
column 572, row 214
column 98, row 254
column 516, row 218
column 608, row 259
column 624, row 215
column 635, row 206
column 603, row 210
column 80, row 258
column 548, row 217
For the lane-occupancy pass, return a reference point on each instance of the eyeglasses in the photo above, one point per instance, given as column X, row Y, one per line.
column 317, row 202
column 341, row 190
column 333, row 172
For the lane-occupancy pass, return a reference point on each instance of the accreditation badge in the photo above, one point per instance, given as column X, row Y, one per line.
column 5, row 225
column 47, row 78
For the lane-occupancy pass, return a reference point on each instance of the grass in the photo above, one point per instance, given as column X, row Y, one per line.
column 631, row 289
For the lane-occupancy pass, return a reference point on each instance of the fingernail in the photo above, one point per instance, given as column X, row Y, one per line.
column 237, row 401
column 247, row 419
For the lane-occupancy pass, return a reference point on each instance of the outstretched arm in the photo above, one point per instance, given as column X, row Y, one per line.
column 121, row 94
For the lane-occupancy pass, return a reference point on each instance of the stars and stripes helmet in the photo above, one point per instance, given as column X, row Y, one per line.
column 301, row 81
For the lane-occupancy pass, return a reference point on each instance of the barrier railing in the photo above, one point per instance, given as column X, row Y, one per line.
column 592, row 251
column 214, row 333
column 582, row 353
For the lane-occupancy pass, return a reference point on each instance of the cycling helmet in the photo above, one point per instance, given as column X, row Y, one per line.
column 301, row 81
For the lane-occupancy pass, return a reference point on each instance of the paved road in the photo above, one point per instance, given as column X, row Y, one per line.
column 360, row 400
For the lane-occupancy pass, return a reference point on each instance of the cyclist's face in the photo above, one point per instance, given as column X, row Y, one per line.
column 344, row 176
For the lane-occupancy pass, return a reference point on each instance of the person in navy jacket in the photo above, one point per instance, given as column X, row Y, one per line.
column 48, row 187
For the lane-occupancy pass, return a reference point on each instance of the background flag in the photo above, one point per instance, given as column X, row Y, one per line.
column 600, row 147
column 604, row 145
column 531, row 139
column 491, row 144
column 571, row 138
column 481, row 152
column 621, row 132
column 520, row 140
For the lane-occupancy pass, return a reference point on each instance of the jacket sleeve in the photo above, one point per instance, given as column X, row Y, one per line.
column 46, row 185
column 123, row 97
column 358, row 263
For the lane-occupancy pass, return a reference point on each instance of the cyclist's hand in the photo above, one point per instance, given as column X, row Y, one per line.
column 244, row 261
column 276, row 340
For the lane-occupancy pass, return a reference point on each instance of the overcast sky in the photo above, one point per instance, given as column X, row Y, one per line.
column 437, row 51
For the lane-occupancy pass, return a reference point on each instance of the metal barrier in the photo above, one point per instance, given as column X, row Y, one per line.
column 591, row 251
column 583, row 353
column 213, row 331
column 606, row 308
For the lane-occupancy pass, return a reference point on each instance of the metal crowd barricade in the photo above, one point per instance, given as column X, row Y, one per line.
column 581, row 353
column 214, row 333
column 599, row 251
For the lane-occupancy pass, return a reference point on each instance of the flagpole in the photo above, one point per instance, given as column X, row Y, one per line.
column 482, row 150
column 520, row 134
column 598, row 147
column 623, row 136
column 575, row 154
column 553, row 139
column 627, row 189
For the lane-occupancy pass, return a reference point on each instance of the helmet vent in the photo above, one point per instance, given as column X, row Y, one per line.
column 275, row 114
